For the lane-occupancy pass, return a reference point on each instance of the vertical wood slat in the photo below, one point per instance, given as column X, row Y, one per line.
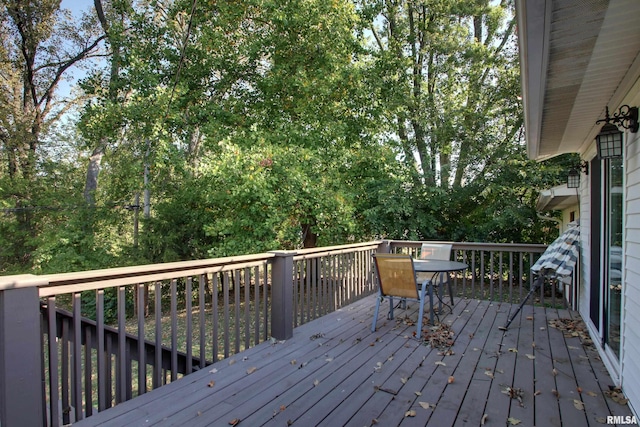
column 76, row 391
column 174, row 330
column 247, row 307
column 53, row 362
column 108, row 371
column 88, row 369
column 202, row 319
column 265, row 299
column 121, row 360
column 102, row 365
column 142, row 364
column 215, row 314
column 236, row 311
column 225, row 299
column 64, row 372
column 157, row 365
column 189, row 320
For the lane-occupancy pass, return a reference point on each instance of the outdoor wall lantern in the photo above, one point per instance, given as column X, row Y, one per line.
column 573, row 179
column 609, row 140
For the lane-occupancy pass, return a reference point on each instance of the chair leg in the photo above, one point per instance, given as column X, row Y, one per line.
column 390, row 315
column 450, row 293
column 375, row 315
column 431, row 303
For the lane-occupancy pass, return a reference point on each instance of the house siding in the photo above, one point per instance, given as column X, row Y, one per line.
column 630, row 355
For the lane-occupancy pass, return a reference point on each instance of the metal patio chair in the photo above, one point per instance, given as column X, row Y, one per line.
column 437, row 251
column 397, row 278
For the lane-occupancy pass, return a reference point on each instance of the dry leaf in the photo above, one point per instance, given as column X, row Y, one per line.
column 537, row 392
column 282, row 408
column 529, row 317
column 213, row 371
column 554, row 371
column 251, row 370
column 533, row 344
column 329, row 359
column 426, row 405
column 418, row 393
column 513, row 350
column 316, row 382
column 234, row 422
column 410, row 413
column 232, row 361
column 513, row 421
column 211, row 383
column 441, row 363
column 451, row 380
column 579, row 390
column 578, row 404
column 530, row 356
column 592, row 394
column 484, row 419
column 489, row 374
column 293, row 362
column 555, row 393
column 404, row 380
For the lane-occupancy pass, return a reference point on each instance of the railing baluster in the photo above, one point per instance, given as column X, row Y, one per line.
column 214, row 314
column 102, row 365
column 121, row 360
column 256, row 292
column 174, row 330
column 247, row 307
column 189, row 320
column 225, row 296
column 54, row 397
column 142, row 365
column 64, row 372
column 157, row 365
column 202, row 319
column 88, row 369
column 76, row 357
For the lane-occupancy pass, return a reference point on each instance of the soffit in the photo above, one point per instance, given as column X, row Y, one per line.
column 577, row 56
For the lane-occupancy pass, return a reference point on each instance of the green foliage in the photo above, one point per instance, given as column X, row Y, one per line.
column 258, row 125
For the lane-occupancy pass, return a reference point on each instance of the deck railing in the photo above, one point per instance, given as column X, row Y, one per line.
column 97, row 338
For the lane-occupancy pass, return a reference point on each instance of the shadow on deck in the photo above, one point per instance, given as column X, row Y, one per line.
column 335, row 371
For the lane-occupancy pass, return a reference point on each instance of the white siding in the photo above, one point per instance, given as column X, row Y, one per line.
column 630, row 363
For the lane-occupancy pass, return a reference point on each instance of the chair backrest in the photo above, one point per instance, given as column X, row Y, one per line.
column 435, row 251
column 396, row 275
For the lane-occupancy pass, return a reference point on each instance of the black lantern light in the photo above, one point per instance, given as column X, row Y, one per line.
column 573, row 179
column 609, row 140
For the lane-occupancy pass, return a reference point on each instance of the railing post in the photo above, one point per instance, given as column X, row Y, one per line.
column 21, row 379
column 384, row 247
column 282, row 295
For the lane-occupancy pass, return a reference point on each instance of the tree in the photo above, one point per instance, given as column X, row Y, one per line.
column 40, row 45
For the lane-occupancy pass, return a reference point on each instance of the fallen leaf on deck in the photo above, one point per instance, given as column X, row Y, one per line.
column 404, row 380
column 513, row 350
column 579, row 389
column 530, row 356
column 316, row 382
column 615, row 393
column 232, row 361
column 451, row 380
column 484, row 419
column 426, row 405
column 592, row 394
column 234, row 422
column 441, row 363
column 282, row 408
column 251, row 370
column 293, row 362
column 529, row 317
column 537, row 392
column 213, row 371
column 578, row 404
column 513, row 421
column 418, row 393
column 555, row 393
column 554, row 371
column 410, row 413
column 211, row 383
column 329, row 359
column 489, row 374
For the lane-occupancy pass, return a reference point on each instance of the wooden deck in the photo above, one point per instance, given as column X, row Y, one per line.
column 335, row 372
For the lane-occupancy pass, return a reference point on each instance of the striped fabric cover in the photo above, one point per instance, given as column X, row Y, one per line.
column 560, row 258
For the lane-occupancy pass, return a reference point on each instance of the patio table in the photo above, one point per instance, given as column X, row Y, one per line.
column 437, row 266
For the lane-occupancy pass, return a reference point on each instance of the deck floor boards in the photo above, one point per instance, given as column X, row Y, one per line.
column 335, row 371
